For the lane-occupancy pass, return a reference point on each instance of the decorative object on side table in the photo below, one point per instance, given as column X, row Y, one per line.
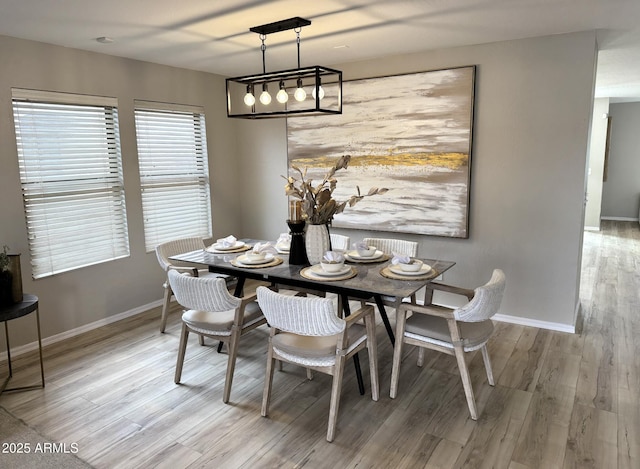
column 318, row 205
column 10, row 278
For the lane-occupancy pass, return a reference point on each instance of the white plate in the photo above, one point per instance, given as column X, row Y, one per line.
column 318, row 270
column 282, row 250
column 243, row 259
column 354, row 255
column 220, row 247
column 396, row 269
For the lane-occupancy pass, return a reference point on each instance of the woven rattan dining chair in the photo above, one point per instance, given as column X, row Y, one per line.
column 178, row 246
column 211, row 311
column 389, row 246
column 307, row 332
column 339, row 242
column 451, row 331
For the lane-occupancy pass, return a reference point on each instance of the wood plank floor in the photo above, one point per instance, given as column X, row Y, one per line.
column 560, row 400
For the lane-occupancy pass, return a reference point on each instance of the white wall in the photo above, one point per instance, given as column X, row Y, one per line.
column 533, row 102
column 74, row 299
column 621, row 191
column 533, row 110
column 597, row 146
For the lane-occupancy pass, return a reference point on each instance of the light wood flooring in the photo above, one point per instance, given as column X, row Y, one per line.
column 560, row 400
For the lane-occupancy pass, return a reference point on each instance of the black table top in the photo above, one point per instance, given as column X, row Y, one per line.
column 367, row 282
column 28, row 305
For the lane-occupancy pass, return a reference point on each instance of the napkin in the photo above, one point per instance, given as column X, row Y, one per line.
column 400, row 259
column 333, row 257
column 264, row 248
column 227, row 242
column 360, row 246
column 284, row 240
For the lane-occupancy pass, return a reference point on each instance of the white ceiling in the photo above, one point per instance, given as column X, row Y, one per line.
column 213, row 35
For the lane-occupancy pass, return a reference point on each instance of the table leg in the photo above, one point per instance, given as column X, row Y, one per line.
column 385, row 318
column 40, row 346
column 3, row 387
column 6, row 336
column 356, row 358
column 6, row 380
column 239, row 287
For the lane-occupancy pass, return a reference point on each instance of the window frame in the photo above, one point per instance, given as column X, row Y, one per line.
column 72, row 179
column 173, row 166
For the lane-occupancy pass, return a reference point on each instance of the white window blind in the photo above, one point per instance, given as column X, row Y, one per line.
column 174, row 174
column 72, row 182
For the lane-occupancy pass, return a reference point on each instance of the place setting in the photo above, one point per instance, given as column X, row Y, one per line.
column 283, row 243
column 404, row 267
column 364, row 254
column 227, row 245
column 262, row 255
column 330, row 269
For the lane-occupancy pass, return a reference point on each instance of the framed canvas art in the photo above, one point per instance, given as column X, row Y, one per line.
column 409, row 133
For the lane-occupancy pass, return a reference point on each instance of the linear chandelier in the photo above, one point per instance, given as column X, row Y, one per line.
column 305, row 91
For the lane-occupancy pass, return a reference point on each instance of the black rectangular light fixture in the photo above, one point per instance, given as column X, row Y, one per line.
column 305, row 91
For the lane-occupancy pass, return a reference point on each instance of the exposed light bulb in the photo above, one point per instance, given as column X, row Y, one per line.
column 249, row 98
column 313, row 92
column 300, row 93
column 282, row 96
column 265, row 97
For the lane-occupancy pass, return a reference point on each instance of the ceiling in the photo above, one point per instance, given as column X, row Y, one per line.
column 214, row 36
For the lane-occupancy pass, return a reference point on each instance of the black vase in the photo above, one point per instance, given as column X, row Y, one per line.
column 297, row 250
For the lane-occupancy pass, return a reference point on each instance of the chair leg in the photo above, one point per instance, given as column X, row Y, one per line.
column 336, row 389
column 372, row 350
column 420, row 356
column 309, row 374
column 201, row 339
column 232, row 345
column 401, row 317
column 184, row 336
column 268, row 381
column 487, row 365
column 466, row 382
column 165, row 306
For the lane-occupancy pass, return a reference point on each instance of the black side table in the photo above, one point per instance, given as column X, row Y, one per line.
column 28, row 305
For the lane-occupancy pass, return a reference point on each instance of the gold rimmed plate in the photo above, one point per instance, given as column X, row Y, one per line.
column 425, row 275
column 312, row 273
column 273, row 262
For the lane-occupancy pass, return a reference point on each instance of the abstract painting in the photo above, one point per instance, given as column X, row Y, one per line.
column 409, row 133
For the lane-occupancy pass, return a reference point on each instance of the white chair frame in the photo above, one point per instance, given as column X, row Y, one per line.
column 211, row 294
column 277, row 307
column 483, row 304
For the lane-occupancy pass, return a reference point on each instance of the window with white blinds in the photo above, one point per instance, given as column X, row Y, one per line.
column 174, row 174
column 71, row 176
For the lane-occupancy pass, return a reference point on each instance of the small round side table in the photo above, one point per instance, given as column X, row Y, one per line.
column 28, row 305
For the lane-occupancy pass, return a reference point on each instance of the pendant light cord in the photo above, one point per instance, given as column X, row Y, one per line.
column 297, row 30
column 264, row 48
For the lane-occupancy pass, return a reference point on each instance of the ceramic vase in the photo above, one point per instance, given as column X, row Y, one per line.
column 317, row 242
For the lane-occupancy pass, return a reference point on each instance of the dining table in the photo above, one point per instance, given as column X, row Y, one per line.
column 366, row 280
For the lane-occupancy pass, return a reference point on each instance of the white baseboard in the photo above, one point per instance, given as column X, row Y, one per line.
column 79, row 330
column 592, row 228
column 552, row 326
column 618, row 218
